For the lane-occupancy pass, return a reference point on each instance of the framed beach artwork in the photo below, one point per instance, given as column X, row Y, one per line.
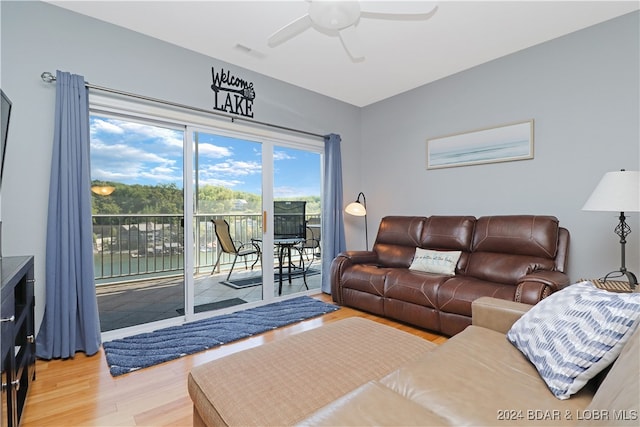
column 504, row 143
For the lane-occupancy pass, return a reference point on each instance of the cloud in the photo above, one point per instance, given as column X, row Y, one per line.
column 102, row 151
column 137, row 132
column 232, row 168
column 135, row 153
column 281, row 155
column 132, row 174
column 213, row 151
column 104, row 126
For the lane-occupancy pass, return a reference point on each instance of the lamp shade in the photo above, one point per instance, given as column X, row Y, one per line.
column 103, row 190
column 355, row 209
column 616, row 192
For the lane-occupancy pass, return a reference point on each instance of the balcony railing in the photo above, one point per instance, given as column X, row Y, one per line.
column 132, row 247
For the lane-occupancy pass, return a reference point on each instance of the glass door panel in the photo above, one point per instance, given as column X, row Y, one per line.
column 227, row 221
column 137, row 203
column 297, row 188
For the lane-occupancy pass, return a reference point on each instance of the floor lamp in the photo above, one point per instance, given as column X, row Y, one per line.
column 358, row 208
column 618, row 192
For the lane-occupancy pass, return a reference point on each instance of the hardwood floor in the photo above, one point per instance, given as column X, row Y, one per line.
column 82, row 392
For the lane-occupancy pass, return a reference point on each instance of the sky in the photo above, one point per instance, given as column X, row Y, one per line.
column 134, row 153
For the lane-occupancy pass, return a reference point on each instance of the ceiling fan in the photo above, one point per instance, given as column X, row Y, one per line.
column 340, row 18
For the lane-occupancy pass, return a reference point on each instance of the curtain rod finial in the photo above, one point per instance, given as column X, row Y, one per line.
column 47, row 77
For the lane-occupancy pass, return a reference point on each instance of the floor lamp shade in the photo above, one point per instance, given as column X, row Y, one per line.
column 359, row 208
column 103, row 190
column 618, row 192
column 355, row 209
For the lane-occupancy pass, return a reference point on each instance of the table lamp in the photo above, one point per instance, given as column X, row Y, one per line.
column 618, row 192
column 358, row 208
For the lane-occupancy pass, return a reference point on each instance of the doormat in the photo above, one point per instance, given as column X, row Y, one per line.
column 249, row 282
column 144, row 350
column 215, row 305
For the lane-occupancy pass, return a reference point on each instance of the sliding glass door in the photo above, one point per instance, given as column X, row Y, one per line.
column 185, row 221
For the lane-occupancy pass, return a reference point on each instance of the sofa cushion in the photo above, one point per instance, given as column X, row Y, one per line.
column 478, row 378
column 529, row 235
column 373, row 405
column 457, row 293
column 414, row 287
column 438, row 262
column 575, row 333
column 448, row 232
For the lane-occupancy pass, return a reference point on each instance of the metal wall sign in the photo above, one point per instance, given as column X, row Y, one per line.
column 232, row 94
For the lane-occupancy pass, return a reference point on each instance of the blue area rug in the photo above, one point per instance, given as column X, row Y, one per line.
column 141, row 351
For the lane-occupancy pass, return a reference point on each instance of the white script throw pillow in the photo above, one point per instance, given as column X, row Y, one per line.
column 440, row 262
column 575, row 333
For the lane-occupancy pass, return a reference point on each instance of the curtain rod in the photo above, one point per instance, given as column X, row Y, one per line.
column 50, row 78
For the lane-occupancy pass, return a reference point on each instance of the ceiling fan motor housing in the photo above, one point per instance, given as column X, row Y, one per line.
column 334, row 15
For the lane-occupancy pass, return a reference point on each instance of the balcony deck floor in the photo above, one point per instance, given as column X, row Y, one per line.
column 133, row 303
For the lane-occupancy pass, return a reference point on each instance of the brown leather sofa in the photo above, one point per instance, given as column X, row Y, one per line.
column 518, row 258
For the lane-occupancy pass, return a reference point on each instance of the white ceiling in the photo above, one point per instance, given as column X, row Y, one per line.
column 400, row 55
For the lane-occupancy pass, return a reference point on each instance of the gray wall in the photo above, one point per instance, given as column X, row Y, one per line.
column 583, row 92
column 39, row 37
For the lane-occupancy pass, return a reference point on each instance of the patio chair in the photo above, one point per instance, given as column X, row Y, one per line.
column 310, row 247
column 227, row 245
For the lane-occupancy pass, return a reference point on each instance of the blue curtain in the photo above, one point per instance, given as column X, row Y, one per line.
column 71, row 321
column 333, row 240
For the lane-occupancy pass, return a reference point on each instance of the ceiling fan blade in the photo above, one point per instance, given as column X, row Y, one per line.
column 351, row 43
column 398, row 9
column 289, row 31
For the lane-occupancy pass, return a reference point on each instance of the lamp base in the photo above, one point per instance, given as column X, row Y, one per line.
column 631, row 278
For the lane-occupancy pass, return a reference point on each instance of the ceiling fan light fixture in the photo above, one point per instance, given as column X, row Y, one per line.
column 340, row 18
column 334, row 15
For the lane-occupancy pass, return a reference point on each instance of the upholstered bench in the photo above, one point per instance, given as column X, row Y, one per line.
column 283, row 382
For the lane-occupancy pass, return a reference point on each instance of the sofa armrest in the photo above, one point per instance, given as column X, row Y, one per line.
column 496, row 314
column 343, row 261
column 540, row 284
column 360, row 257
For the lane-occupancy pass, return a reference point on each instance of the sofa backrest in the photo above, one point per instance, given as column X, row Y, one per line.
column 399, row 236
column 397, row 240
column 505, row 248
column 618, row 393
column 449, row 233
column 494, row 248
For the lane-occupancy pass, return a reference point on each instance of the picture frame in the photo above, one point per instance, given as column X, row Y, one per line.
column 504, row 143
